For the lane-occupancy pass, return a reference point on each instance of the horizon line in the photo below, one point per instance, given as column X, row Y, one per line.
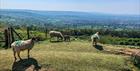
column 70, row 11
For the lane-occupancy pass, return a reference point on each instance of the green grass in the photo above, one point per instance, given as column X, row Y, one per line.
column 70, row 56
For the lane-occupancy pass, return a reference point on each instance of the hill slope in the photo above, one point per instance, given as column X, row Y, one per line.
column 63, row 56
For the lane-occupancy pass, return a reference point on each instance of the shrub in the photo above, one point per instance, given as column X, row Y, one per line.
column 130, row 40
column 122, row 43
column 127, row 43
column 136, row 40
column 132, row 43
column 138, row 44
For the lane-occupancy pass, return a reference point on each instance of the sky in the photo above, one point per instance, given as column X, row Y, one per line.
column 101, row 6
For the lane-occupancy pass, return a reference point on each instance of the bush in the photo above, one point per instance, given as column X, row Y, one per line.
column 132, row 43
column 122, row 43
column 127, row 43
column 130, row 40
column 1, row 45
column 136, row 40
column 138, row 44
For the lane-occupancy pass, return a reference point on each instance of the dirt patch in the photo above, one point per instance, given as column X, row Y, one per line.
column 123, row 51
column 134, row 53
column 128, row 51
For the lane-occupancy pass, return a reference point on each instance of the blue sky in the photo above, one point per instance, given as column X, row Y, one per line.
column 102, row 6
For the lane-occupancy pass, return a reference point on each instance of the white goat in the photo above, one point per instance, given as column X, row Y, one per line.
column 56, row 34
column 21, row 45
column 94, row 38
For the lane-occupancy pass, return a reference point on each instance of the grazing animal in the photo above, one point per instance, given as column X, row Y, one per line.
column 21, row 45
column 136, row 57
column 94, row 38
column 67, row 38
column 57, row 34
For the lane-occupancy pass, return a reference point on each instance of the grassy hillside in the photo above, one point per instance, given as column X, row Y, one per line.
column 67, row 56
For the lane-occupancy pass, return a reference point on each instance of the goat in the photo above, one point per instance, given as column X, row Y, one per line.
column 56, row 34
column 21, row 45
column 94, row 38
column 67, row 38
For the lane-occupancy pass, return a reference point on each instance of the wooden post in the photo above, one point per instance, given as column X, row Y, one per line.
column 76, row 31
column 12, row 35
column 9, row 37
column 46, row 31
column 6, row 38
column 28, row 33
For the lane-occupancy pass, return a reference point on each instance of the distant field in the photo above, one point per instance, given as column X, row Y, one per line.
column 68, row 56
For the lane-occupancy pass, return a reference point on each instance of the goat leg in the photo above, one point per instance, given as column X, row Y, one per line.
column 28, row 53
column 19, row 55
column 14, row 55
column 50, row 38
column 92, row 43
